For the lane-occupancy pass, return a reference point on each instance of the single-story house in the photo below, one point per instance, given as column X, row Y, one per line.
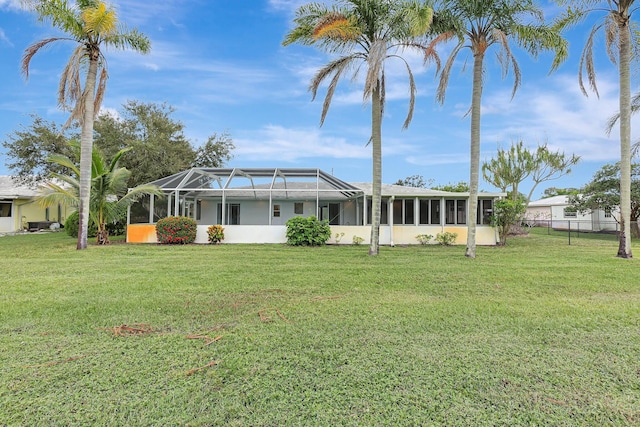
column 20, row 211
column 557, row 212
column 254, row 205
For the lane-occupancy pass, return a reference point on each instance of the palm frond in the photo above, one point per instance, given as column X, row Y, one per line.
column 99, row 20
column 446, row 72
column 31, row 50
column 587, row 63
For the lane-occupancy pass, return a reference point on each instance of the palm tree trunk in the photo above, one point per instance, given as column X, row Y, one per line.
column 86, row 149
column 624, row 249
column 376, row 143
column 476, row 99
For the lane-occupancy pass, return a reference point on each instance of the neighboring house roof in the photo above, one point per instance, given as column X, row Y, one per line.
column 10, row 189
column 550, row 201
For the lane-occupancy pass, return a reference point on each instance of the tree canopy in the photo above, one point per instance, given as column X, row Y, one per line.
column 157, row 141
column 511, row 167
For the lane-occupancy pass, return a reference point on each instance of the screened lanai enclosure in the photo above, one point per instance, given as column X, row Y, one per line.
column 254, row 204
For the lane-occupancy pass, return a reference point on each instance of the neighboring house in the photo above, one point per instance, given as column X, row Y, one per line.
column 557, row 212
column 19, row 209
column 254, row 205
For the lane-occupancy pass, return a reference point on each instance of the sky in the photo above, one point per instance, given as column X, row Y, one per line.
column 221, row 65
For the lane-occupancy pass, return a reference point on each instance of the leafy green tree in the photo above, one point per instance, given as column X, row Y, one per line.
column 109, row 195
column 506, row 212
column 159, row 146
column 512, row 167
column 480, row 25
column 92, row 25
column 416, row 181
column 457, row 187
column 216, row 152
column 364, row 34
column 28, row 149
column 554, row 191
column 620, row 44
column 603, row 193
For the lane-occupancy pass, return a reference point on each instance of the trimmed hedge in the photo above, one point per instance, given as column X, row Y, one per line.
column 176, row 230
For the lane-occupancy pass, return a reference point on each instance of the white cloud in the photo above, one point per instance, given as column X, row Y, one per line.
column 12, row 4
column 4, row 38
column 277, row 143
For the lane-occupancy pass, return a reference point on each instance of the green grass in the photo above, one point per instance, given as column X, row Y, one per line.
column 536, row 333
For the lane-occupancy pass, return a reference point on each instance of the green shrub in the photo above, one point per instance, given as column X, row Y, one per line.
column 424, row 238
column 357, row 240
column 307, row 231
column 72, row 224
column 176, row 230
column 215, row 233
column 447, row 238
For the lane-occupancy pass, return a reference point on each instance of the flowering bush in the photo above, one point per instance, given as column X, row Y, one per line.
column 215, row 233
column 176, row 230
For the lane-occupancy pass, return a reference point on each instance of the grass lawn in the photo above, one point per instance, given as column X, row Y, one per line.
column 537, row 333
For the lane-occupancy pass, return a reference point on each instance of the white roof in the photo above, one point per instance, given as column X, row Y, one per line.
column 550, row 201
column 406, row 191
column 10, row 189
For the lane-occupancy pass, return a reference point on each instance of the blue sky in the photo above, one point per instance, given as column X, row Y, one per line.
column 221, row 65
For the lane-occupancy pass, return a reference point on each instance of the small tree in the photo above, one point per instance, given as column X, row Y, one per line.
column 506, row 212
column 512, row 167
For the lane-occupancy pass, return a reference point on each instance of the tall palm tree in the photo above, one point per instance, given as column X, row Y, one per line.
column 364, row 33
column 109, row 196
column 480, row 25
column 92, row 25
column 619, row 39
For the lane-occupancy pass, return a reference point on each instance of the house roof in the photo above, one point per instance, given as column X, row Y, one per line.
column 562, row 200
column 255, row 182
column 389, row 190
column 11, row 189
column 290, row 183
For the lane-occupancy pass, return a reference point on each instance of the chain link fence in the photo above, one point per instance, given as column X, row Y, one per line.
column 574, row 229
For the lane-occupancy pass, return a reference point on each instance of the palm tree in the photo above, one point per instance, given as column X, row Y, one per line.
column 92, row 25
column 364, row 33
column 618, row 35
column 109, row 197
column 478, row 26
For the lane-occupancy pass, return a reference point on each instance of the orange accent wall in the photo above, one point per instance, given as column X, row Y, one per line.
column 141, row 233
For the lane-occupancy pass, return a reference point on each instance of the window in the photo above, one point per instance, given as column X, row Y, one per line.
column 429, row 211
column 485, row 210
column 456, row 211
column 232, row 214
column 403, row 211
column 198, row 210
column 570, row 213
column 435, row 211
column 607, row 212
column 5, row 209
column 46, row 214
column 298, row 208
column 276, row 211
column 384, row 211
